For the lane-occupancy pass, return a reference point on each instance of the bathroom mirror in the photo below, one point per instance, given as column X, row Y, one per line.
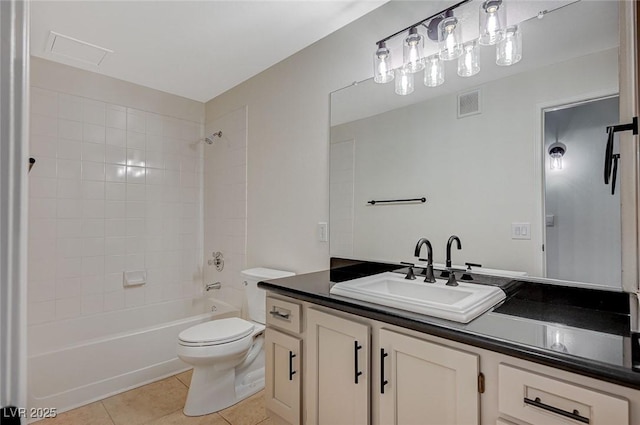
column 475, row 149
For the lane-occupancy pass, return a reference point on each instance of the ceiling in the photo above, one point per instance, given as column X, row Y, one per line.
column 194, row 49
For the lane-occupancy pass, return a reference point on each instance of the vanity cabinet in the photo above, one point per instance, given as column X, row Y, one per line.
column 426, row 383
column 337, row 372
column 283, row 361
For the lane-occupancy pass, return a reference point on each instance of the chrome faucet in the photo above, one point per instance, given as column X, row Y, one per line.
column 452, row 275
column 429, row 277
column 210, row 286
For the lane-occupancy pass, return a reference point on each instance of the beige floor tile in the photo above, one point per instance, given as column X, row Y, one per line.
column 94, row 414
column 147, row 403
column 247, row 412
column 185, row 377
column 178, row 418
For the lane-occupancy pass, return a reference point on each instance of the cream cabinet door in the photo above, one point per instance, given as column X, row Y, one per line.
column 283, row 377
column 337, row 378
column 423, row 383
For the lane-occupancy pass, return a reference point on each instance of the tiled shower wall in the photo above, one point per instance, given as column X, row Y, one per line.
column 113, row 189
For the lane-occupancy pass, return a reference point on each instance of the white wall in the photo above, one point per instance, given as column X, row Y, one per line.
column 288, row 136
column 116, row 186
column 225, row 204
column 584, row 241
column 478, row 173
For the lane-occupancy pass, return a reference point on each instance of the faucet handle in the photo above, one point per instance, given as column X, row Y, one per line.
column 452, row 278
column 410, row 275
column 469, row 265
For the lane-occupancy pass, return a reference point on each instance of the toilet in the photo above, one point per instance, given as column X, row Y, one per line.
column 227, row 355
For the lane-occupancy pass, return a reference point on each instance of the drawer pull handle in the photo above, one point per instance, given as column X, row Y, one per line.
column 356, row 347
column 575, row 415
column 277, row 315
column 383, row 381
column 291, row 371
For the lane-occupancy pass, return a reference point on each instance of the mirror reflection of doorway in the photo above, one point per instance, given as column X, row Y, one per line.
column 582, row 217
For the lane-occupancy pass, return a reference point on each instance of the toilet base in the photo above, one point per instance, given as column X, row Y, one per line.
column 212, row 390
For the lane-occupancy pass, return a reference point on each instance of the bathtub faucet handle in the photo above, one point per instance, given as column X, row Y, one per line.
column 210, row 286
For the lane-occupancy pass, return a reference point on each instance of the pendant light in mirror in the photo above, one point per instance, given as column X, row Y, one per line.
column 509, row 49
column 434, row 71
column 382, row 70
column 449, row 38
column 556, row 152
column 493, row 19
column 404, row 81
column 413, row 45
column 469, row 61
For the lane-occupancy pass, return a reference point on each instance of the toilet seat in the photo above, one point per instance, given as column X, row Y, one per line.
column 216, row 332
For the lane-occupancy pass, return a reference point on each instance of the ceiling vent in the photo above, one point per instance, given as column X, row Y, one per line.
column 75, row 49
column 469, row 103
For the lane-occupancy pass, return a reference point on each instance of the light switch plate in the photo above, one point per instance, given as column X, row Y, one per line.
column 520, row 231
column 323, row 232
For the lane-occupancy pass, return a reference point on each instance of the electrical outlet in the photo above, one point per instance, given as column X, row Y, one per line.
column 520, row 231
column 323, row 232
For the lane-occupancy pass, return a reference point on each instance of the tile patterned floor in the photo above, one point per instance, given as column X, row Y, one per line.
column 160, row 403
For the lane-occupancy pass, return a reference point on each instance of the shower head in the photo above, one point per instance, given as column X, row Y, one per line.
column 209, row 139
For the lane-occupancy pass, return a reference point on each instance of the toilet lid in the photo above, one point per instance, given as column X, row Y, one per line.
column 217, row 331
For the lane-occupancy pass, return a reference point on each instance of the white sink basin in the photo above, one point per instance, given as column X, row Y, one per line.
column 461, row 303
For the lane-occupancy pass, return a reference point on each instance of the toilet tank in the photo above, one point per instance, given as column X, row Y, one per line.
column 256, row 297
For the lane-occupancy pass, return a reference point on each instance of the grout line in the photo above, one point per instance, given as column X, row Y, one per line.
column 108, row 414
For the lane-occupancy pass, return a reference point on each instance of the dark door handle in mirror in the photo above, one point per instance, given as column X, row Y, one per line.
column 383, row 381
column 291, row 371
column 575, row 415
column 358, row 372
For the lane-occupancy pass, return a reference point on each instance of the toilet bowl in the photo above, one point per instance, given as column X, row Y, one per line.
column 227, row 355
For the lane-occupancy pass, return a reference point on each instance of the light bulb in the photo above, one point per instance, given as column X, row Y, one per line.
column 382, row 72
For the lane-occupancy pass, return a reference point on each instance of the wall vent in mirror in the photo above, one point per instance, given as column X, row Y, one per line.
column 469, row 103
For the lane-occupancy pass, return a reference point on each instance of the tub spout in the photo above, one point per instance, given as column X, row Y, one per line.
column 210, row 286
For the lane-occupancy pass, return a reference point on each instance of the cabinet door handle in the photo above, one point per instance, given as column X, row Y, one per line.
column 357, row 373
column 575, row 415
column 291, row 371
column 383, row 381
column 278, row 315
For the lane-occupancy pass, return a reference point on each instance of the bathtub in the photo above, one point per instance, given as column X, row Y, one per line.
column 77, row 361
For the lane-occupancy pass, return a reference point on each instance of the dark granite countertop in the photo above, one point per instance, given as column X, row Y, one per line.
column 584, row 331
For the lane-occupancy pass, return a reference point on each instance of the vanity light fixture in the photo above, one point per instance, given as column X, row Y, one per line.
column 444, row 28
column 556, row 152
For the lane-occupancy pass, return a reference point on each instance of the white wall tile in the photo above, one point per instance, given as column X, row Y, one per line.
column 44, row 102
column 68, row 287
column 42, row 187
column 43, row 146
column 93, row 208
column 115, row 173
column 136, row 121
column 115, row 137
column 69, row 149
column 93, row 284
column 41, row 290
column 114, row 263
column 71, row 130
column 93, row 266
column 115, row 209
column 70, row 107
column 93, row 189
column 115, row 227
column 135, row 157
column 93, row 133
column 116, row 117
column 69, row 208
column 93, row 152
column 93, row 112
column 134, row 297
column 44, row 167
column 136, row 140
column 42, row 228
column 93, row 170
column 115, row 191
column 154, row 124
column 113, row 282
column 69, row 169
column 68, row 308
column 42, row 125
column 136, row 175
column 114, row 300
column 115, row 155
column 92, row 304
column 69, row 228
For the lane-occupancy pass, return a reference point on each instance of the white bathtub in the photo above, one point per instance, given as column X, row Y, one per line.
column 77, row 361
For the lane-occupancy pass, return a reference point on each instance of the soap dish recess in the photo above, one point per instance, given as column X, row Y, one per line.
column 134, row 278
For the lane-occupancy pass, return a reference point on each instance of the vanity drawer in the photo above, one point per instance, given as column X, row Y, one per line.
column 283, row 315
column 541, row 400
